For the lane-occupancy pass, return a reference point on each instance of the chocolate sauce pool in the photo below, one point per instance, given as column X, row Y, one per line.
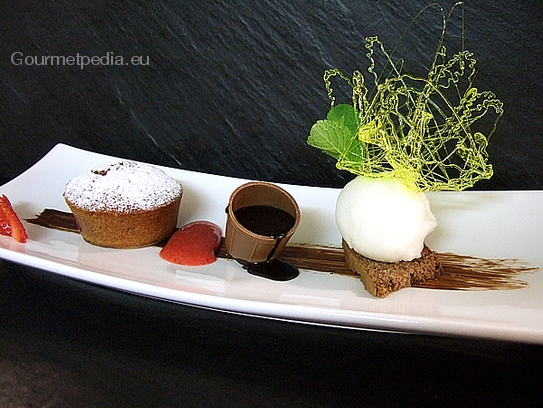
column 460, row 272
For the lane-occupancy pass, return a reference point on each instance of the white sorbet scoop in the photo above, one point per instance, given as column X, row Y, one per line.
column 383, row 220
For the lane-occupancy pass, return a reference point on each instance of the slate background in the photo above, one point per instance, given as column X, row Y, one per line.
column 233, row 88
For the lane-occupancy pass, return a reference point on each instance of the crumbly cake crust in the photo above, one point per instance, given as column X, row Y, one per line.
column 127, row 230
column 383, row 278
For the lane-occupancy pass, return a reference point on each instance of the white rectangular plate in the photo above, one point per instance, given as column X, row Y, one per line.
column 483, row 224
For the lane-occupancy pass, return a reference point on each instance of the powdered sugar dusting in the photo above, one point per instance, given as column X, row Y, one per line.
column 123, row 186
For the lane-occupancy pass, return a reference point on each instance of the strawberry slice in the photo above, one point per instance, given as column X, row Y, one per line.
column 10, row 224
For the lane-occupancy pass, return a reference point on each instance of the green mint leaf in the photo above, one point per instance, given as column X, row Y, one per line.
column 345, row 113
column 337, row 135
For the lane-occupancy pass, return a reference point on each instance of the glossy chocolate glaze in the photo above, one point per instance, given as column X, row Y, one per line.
column 265, row 220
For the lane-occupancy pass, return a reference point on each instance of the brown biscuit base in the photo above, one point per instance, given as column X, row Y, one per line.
column 382, row 278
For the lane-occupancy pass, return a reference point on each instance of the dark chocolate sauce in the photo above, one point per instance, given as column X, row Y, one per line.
column 56, row 219
column 275, row 269
column 460, row 272
column 265, row 220
column 270, row 222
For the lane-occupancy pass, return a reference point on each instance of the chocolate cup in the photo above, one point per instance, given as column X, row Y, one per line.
column 245, row 245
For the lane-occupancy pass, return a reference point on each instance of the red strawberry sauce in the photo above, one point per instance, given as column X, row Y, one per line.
column 193, row 245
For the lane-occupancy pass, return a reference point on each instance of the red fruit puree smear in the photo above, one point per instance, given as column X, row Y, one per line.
column 193, row 245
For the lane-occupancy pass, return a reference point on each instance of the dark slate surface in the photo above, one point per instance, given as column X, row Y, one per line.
column 232, row 88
